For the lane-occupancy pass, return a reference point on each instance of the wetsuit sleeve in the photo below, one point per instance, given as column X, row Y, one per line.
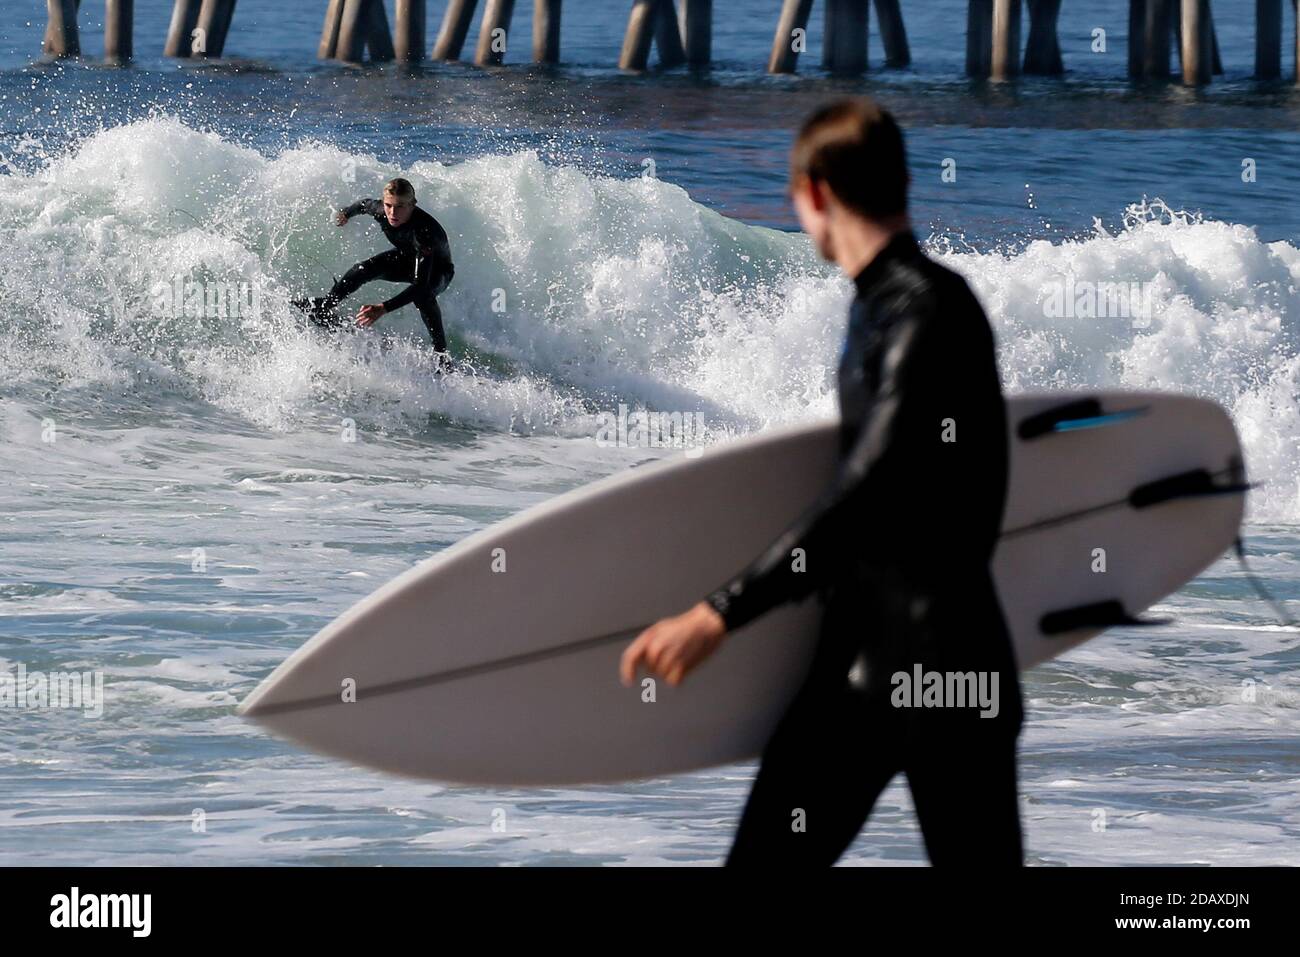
column 831, row 532
column 371, row 207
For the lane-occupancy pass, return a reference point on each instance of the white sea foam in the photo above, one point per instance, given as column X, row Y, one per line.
column 582, row 291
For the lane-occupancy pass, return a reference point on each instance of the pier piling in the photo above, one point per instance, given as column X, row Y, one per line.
column 1136, row 17
column 546, row 31
column 1214, row 42
column 979, row 38
column 697, row 31
column 844, row 42
column 1043, row 48
column 119, row 30
column 353, row 27
column 212, row 27
column 794, row 18
column 683, row 32
column 496, row 16
column 639, row 35
column 1157, row 31
column 455, row 28
column 893, row 35
column 1268, row 39
column 1005, row 60
column 379, row 38
column 180, row 33
column 409, row 33
column 329, row 34
column 1216, row 67
column 668, row 36
column 1195, row 49
column 61, row 36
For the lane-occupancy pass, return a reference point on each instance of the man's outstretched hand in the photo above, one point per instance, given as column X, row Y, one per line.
column 671, row 648
column 369, row 314
column 340, row 218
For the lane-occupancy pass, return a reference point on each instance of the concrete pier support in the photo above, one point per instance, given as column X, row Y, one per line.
column 180, row 33
column 119, row 30
column 655, row 23
column 379, row 38
column 668, row 36
column 212, row 27
column 61, row 36
column 697, row 31
column 1005, row 62
column 546, row 31
column 979, row 38
column 455, row 28
column 409, row 35
column 353, row 27
column 1043, row 48
column 893, row 35
column 1196, row 50
column 492, row 32
column 844, row 42
column 793, row 22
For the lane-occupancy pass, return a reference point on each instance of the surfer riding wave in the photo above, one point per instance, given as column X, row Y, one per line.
column 420, row 257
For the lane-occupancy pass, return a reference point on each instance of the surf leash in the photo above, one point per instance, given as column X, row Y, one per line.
column 1278, row 608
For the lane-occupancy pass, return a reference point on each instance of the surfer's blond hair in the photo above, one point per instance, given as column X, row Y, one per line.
column 400, row 189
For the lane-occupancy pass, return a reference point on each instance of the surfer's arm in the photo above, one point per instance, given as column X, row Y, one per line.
column 433, row 260
column 830, row 534
column 371, row 207
column 423, row 277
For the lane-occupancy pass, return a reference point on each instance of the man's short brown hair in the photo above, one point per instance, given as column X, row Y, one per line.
column 400, row 188
column 856, row 148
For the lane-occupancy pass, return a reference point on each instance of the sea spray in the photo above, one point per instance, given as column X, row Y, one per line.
column 583, row 293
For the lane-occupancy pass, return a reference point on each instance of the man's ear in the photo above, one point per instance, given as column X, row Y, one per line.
column 819, row 194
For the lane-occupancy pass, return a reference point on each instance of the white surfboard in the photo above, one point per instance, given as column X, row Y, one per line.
column 468, row 673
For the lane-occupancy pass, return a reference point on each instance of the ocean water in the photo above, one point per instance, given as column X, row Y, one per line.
column 186, row 499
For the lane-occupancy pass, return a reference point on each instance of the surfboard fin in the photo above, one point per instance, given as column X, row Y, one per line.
column 1197, row 483
column 1081, row 414
column 1102, row 614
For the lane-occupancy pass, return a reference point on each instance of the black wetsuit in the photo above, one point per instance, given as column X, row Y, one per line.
column 421, row 257
column 898, row 548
